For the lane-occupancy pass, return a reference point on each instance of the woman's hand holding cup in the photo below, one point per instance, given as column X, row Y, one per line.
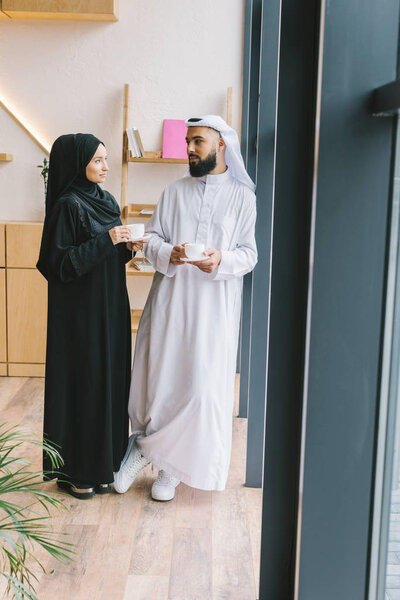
column 120, row 233
column 136, row 246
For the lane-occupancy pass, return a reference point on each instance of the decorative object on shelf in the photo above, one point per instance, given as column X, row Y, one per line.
column 139, row 266
column 25, row 527
column 81, row 10
column 44, row 173
column 174, row 143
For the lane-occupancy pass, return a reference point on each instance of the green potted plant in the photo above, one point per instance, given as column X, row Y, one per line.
column 25, row 526
column 44, row 173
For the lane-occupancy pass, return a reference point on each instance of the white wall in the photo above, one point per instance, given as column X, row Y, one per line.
column 179, row 57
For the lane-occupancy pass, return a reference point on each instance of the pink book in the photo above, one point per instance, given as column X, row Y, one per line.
column 174, row 134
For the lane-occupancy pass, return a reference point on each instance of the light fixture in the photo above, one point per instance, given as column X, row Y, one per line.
column 23, row 123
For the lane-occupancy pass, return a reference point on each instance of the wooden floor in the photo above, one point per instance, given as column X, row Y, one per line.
column 200, row 546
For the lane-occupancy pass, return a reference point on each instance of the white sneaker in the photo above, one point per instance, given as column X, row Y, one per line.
column 164, row 486
column 131, row 465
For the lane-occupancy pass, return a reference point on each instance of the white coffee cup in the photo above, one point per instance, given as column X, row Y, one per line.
column 137, row 230
column 194, row 251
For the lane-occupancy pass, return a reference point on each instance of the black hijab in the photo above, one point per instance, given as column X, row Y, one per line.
column 69, row 157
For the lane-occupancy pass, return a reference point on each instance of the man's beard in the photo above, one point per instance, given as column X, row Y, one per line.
column 203, row 167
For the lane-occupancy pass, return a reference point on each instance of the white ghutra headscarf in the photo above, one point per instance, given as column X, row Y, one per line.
column 233, row 156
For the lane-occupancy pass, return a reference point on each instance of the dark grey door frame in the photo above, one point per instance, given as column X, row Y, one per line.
column 250, row 101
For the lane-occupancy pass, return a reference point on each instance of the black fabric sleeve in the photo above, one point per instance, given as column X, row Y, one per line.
column 125, row 254
column 67, row 259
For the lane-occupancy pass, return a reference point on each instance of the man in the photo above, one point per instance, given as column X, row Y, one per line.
column 182, row 385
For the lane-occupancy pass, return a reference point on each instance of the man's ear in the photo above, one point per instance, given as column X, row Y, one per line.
column 221, row 143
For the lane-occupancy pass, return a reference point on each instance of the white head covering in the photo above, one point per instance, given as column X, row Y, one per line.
column 233, row 156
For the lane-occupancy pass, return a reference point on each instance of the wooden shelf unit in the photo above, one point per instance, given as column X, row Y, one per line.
column 133, row 210
column 149, row 157
column 4, row 157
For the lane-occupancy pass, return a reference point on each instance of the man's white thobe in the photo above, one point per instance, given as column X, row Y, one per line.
column 182, row 388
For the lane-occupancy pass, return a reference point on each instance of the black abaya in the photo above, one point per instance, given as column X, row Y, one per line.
column 88, row 357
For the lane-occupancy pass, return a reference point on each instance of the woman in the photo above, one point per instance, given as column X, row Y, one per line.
column 88, row 362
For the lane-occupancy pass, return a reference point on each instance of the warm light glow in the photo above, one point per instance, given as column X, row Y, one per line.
column 24, row 124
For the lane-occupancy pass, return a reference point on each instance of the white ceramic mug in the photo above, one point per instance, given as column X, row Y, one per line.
column 137, row 230
column 194, row 251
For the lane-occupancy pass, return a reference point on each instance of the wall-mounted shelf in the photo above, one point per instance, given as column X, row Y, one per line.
column 81, row 10
column 134, row 210
column 4, row 157
column 144, row 159
column 135, row 318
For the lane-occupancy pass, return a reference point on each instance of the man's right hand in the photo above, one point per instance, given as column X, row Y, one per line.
column 177, row 253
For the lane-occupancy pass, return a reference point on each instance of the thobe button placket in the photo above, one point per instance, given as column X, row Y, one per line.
column 204, row 218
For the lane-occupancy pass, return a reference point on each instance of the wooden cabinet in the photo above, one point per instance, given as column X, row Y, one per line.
column 3, row 325
column 2, row 245
column 3, row 322
column 26, row 316
column 23, row 244
column 23, row 301
column 83, row 10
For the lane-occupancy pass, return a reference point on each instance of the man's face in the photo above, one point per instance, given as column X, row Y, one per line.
column 202, row 150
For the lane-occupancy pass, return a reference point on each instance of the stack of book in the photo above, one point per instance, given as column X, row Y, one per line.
column 135, row 145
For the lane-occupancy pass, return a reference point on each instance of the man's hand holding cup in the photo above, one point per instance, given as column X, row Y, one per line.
column 210, row 262
column 178, row 252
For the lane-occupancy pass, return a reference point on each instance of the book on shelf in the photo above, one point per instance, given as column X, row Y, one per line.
column 138, row 140
column 174, row 139
column 133, row 145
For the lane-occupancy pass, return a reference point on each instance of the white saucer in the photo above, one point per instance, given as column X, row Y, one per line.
column 141, row 239
column 194, row 259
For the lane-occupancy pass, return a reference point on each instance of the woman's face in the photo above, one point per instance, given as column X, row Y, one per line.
column 96, row 170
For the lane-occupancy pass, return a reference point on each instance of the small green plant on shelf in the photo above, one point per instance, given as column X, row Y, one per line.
column 44, row 173
column 25, row 515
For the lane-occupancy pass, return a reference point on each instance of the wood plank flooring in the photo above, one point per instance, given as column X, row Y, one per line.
column 201, row 546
